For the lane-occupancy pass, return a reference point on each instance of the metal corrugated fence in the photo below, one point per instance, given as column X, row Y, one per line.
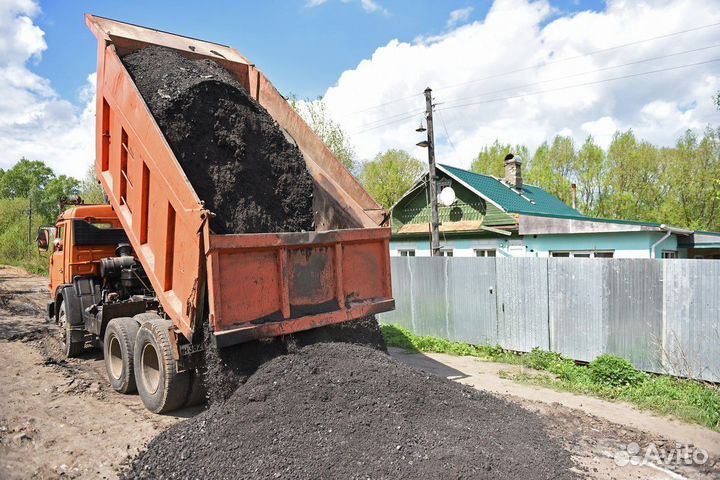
column 662, row 315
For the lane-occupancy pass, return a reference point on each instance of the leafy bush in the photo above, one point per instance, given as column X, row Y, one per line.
column 14, row 246
column 492, row 351
column 541, row 360
column 612, row 371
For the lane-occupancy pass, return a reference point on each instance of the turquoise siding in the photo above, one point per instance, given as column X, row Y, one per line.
column 639, row 242
column 623, row 244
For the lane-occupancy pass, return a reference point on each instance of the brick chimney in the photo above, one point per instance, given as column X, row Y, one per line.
column 513, row 173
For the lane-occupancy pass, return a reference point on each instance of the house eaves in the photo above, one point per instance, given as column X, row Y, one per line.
column 556, row 224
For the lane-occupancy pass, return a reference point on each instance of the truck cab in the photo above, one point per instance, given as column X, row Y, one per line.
column 94, row 275
column 84, row 235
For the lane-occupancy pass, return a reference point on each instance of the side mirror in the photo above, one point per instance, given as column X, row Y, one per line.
column 43, row 240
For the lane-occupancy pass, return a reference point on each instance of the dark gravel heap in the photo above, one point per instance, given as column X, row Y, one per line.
column 227, row 368
column 235, row 155
column 335, row 410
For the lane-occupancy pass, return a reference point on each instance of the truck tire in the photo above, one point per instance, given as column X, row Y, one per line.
column 71, row 348
column 119, row 353
column 161, row 387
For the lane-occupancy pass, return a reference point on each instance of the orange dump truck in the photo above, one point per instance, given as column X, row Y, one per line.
column 145, row 274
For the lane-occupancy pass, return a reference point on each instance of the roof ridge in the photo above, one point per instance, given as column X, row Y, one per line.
column 531, row 199
column 488, row 175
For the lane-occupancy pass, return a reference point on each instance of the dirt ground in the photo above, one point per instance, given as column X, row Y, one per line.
column 60, row 419
column 593, row 430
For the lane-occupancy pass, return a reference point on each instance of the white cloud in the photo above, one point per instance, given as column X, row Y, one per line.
column 601, row 130
column 370, row 6
column 314, row 3
column 459, row 16
column 35, row 122
column 516, row 34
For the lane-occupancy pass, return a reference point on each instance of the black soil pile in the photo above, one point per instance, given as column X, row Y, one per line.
column 235, row 155
column 336, row 410
column 226, row 369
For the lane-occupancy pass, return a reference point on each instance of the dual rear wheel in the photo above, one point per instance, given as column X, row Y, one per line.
column 139, row 357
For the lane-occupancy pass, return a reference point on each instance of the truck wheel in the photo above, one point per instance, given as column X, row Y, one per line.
column 162, row 388
column 70, row 348
column 118, row 351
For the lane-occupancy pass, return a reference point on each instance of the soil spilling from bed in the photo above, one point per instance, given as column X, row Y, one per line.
column 239, row 161
column 335, row 410
column 227, row 369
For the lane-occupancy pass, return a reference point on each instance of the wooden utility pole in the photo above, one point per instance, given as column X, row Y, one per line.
column 434, row 217
column 30, row 212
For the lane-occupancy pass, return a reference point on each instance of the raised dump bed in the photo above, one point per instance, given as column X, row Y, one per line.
column 257, row 285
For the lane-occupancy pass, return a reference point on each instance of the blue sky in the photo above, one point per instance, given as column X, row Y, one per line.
column 302, row 49
column 364, row 53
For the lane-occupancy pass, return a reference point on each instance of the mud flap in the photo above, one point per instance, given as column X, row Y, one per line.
column 73, row 311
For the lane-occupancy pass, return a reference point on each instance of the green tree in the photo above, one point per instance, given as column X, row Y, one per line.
column 315, row 114
column 389, row 175
column 25, row 177
column 589, row 175
column 552, row 166
column 48, row 203
column 633, row 177
column 14, row 246
column 90, row 190
column 691, row 173
column 491, row 160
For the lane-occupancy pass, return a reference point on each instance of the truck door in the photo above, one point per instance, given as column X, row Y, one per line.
column 57, row 258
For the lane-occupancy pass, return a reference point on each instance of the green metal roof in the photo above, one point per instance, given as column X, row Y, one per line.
column 533, row 201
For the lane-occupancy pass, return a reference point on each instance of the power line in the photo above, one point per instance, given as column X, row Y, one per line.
column 539, row 92
column 510, row 72
column 447, row 135
column 413, row 115
column 612, row 67
column 389, row 102
column 582, row 84
column 575, row 57
column 383, row 119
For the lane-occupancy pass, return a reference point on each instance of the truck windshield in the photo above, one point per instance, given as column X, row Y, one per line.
column 97, row 233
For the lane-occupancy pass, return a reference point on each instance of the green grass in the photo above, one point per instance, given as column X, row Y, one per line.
column 607, row 377
column 400, row 337
column 14, row 247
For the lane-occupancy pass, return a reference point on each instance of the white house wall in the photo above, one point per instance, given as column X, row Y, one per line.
column 623, row 245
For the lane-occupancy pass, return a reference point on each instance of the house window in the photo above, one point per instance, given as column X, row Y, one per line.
column 583, row 254
column 446, row 252
column 406, row 253
column 485, row 252
column 669, row 254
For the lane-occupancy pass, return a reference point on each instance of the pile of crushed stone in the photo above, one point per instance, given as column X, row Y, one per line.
column 336, row 410
column 237, row 158
column 227, row 368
